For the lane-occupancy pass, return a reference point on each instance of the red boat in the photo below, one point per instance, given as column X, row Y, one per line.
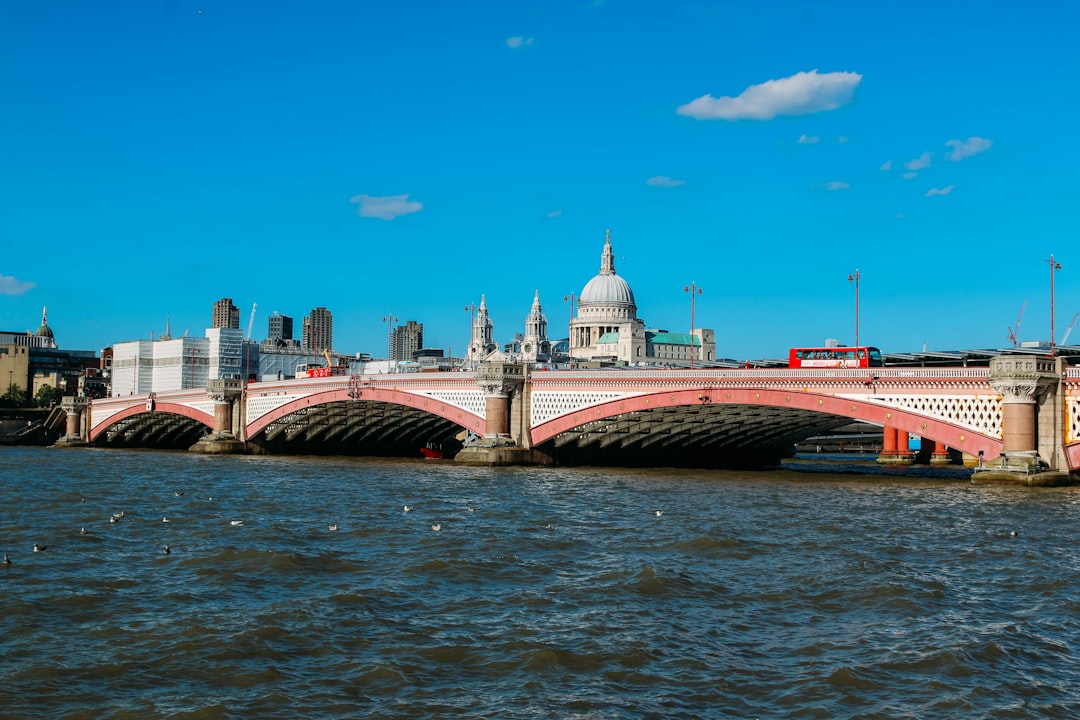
column 431, row 451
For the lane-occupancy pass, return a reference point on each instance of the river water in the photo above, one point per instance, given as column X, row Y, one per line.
column 816, row 592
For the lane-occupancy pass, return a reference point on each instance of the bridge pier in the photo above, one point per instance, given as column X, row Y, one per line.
column 221, row 440
column 74, row 433
column 506, row 427
column 1031, row 402
column 894, row 447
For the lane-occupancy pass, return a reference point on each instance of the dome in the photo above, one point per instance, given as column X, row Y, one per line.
column 44, row 330
column 607, row 288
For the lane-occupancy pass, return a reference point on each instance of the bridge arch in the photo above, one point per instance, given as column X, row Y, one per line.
column 154, row 424
column 362, row 421
column 755, row 416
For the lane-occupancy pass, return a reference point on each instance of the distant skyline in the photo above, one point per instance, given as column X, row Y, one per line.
column 407, row 158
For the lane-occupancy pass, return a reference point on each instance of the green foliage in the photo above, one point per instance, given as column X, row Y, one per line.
column 46, row 395
column 15, row 396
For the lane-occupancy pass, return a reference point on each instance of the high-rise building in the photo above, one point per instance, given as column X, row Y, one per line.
column 318, row 331
column 226, row 315
column 406, row 340
column 280, row 329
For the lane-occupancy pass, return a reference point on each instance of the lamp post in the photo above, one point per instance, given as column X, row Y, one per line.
column 389, row 319
column 693, row 289
column 1054, row 266
column 570, row 331
column 854, row 277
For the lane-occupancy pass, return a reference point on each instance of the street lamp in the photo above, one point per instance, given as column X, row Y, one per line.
column 389, row 319
column 854, row 277
column 693, row 289
column 570, row 331
column 1054, row 266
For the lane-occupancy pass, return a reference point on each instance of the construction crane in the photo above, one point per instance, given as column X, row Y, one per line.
column 251, row 320
column 1014, row 330
column 1069, row 329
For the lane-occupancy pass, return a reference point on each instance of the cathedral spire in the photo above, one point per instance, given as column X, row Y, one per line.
column 607, row 259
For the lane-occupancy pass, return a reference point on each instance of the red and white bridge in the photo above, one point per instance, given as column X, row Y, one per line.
column 621, row 416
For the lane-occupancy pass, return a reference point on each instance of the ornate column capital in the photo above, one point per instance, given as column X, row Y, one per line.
column 1020, row 378
column 221, row 391
column 500, row 379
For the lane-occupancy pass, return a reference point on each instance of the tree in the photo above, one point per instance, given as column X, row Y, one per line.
column 15, row 396
column 47, row 395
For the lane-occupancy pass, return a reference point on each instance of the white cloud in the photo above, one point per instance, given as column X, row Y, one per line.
column 835, row 185
column 664, row 181
column 887, row 165
column 385, row 208
column 801, row 94
column 966, row 148
column 842, row 139
column 940, row 191
column 518, row 41
column 13, row 286
column 919, row 163
column 805, row 139
column 554, row 213
column 909, row 175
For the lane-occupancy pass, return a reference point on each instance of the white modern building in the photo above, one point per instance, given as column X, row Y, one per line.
column 144, row 366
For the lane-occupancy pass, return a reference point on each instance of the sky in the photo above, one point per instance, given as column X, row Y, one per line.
column 404, row 159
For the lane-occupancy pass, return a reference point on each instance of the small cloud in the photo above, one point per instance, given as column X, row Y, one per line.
column 385, row 208
column 940, row 191
column 919, row 163
column 835, row 185
column 801, row 94
column 966, row 148
column 13, row 286
column 909, row 175
column 554, row 213
column 842, row 139
column 887, row 165
column 518, row 41
column 805, row 139
column 664, row 181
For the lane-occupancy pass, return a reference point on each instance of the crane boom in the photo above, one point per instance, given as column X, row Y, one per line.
column 1014, row 330
column 251, row 320
column 1069, row 329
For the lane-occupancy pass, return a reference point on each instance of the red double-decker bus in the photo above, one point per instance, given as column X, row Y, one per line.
column 835, row 357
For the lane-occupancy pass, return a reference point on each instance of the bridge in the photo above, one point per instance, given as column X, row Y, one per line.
column 1020, row 413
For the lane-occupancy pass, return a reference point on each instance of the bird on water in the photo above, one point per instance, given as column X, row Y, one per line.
column 437, row 527
column 7, row 560
column 166, row 551
column 40, row 548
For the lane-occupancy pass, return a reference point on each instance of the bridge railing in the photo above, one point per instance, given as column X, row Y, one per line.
column 771, row 374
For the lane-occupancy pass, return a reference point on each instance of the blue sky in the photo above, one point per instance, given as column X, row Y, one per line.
column 408, row 157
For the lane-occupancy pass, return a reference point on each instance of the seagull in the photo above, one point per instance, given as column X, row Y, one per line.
column 659, row 513
column 7, row 560
column 437, row 527
column 408, row 509
column 82, row 531
column 332, row 528
column 177, row 493
column 236, row 523
column 471, row 509
column 166, row 551
column 118, row 515
column 40, row 548
column 1012, row 533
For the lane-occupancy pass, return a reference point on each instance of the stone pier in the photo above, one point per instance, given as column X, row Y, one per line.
column 74, row 432
column 222, row 440
column 506, row 428
column 1030, row 389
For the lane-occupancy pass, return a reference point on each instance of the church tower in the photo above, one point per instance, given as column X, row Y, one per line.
column 535, row 346
column 481, row 344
